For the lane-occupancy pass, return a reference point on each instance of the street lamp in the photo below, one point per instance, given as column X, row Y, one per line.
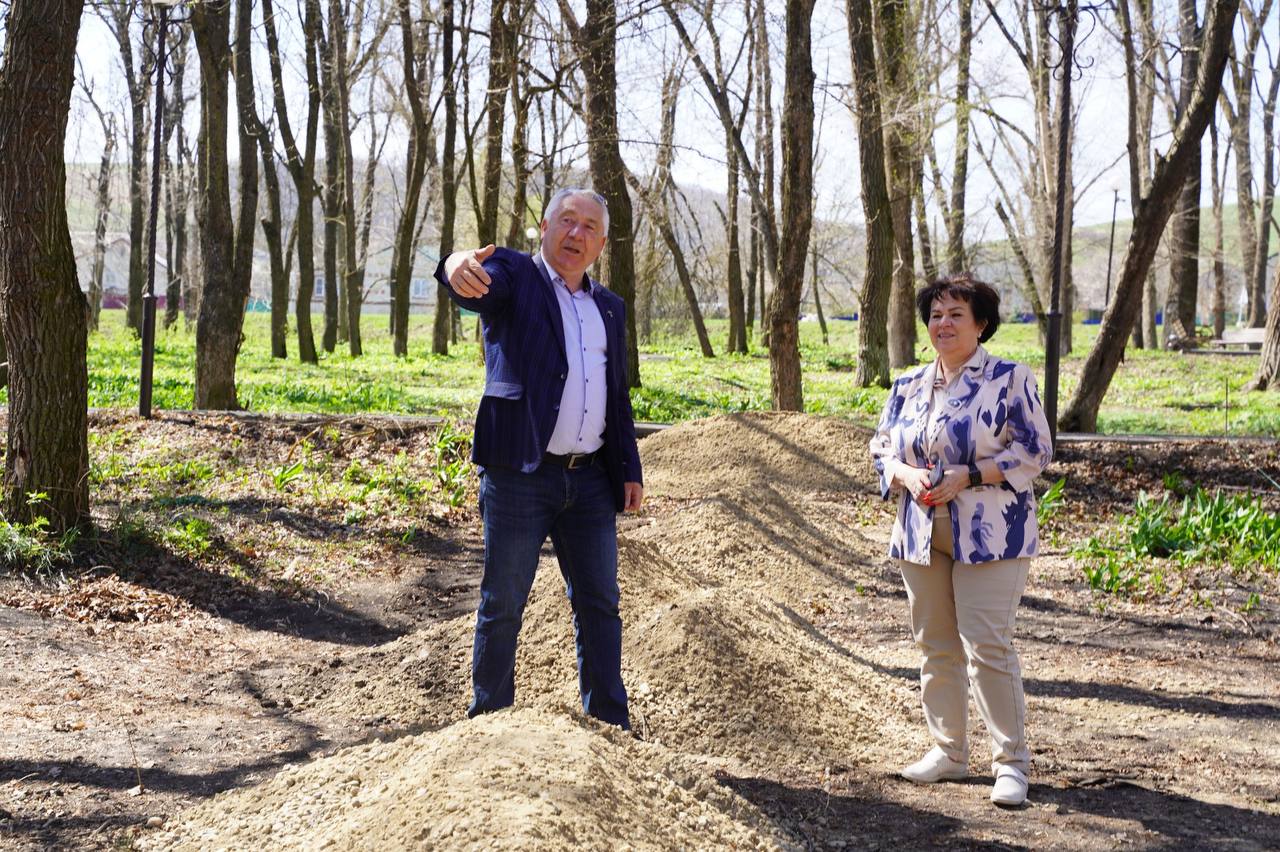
column 161, row 9
column 531, row 234
column 1115, row 188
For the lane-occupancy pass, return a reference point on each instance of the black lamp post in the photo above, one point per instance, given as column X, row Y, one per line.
column 162, row 20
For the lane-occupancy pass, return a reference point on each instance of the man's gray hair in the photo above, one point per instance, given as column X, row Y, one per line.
column 578, row 192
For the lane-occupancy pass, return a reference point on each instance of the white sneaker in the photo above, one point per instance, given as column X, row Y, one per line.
column 1010, row 789
column 935, row 766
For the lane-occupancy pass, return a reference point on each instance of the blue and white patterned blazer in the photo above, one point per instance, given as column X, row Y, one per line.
column 992, row 412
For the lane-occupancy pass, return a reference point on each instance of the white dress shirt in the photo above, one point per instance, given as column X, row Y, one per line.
column 581, row 420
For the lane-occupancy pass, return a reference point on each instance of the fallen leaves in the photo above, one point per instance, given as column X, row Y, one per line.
column 98, row 599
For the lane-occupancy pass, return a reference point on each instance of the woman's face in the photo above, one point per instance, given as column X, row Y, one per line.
column 952, row 328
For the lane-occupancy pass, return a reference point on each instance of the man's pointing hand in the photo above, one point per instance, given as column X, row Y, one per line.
column 466, row 276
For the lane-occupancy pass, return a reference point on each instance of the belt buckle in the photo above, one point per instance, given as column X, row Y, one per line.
column 574, row 458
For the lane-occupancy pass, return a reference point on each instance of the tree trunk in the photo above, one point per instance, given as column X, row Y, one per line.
column 898, row 85
column 448, row 181
column 42, row 311
column 177, row 193
column 797, row 210
column 271, row 227
column 302, row 164
column 103, row 209
column 416, row 169
column 928, row 264
column 956, row 255
column 1141, row 100
column 226, row 246
column 1219, row 268
column 1268, row 375
column 686, row 284
column 753, row 270
column 766, row 179
column 817, row 293
column 596, row 43
column 330, row 205
column 1262, row 241
column 138, row 86
column 1153, row 211
column 737, row 313
column 1240, row 125
column 1184, row 237
column 873, row 352
column 352, row 274
column 495, row 110
column 520, row 102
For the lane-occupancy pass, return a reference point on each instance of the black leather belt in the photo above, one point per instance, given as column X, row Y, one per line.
column 572, row 461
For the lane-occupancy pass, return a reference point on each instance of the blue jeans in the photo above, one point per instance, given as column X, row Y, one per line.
column 574, row 507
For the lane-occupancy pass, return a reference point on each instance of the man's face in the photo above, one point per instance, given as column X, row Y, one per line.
column 574, row 238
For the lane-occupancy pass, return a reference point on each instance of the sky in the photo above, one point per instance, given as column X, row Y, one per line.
column 646, row 47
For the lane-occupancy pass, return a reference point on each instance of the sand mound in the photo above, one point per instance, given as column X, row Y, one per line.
column 422, row 680
column 772, row 515
column 727, row 674
column 515, row 780
column 788, row 450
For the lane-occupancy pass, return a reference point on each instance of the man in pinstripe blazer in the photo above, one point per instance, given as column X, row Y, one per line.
column 555, row 443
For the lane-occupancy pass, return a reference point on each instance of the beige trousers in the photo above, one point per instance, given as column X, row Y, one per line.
column 962, row 619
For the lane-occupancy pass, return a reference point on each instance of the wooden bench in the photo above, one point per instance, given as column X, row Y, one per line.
column 1234, row 341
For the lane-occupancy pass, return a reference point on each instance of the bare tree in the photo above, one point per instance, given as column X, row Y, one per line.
column 723, row 74
column 784, row 260
column 102, row 207
column 420, row 142
column 301, row 163
column 1139, row 68
column 177, row 174
column 333, row 127
column 1033, row 155
column 42, row 311
column 899, row 114
column 1184, row 235
column 763, row 183
column 1239, row 115
column 956, row 256
column 225, row 244
column 495, row 104
column 119, row 19
column 522, row 95
column 657, row 198
column 448, row 176
column 595, row 42
column 873, row 343
column 797, row 210
column 1262, row 239
column 1219, row 267
column 1153, row 211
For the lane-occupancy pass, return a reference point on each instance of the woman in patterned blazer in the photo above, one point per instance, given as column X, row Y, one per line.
column 962, row 439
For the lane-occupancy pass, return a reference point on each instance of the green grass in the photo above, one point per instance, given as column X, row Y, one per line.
column 1165, row 538
column 1153, row 392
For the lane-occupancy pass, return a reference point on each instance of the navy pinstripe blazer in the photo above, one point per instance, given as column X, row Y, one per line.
column 525, row 369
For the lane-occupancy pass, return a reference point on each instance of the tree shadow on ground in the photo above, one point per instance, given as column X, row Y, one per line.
column 860, row 818
column 240, row 593
column 1181, row 822
column 1119, row 693
column 68, row 830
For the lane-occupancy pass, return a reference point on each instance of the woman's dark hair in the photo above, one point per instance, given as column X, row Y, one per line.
column 983, row 300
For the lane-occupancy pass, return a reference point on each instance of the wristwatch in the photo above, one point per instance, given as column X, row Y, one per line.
column 975, row 476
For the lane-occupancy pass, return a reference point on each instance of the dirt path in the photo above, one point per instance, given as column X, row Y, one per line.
column 770, row 670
